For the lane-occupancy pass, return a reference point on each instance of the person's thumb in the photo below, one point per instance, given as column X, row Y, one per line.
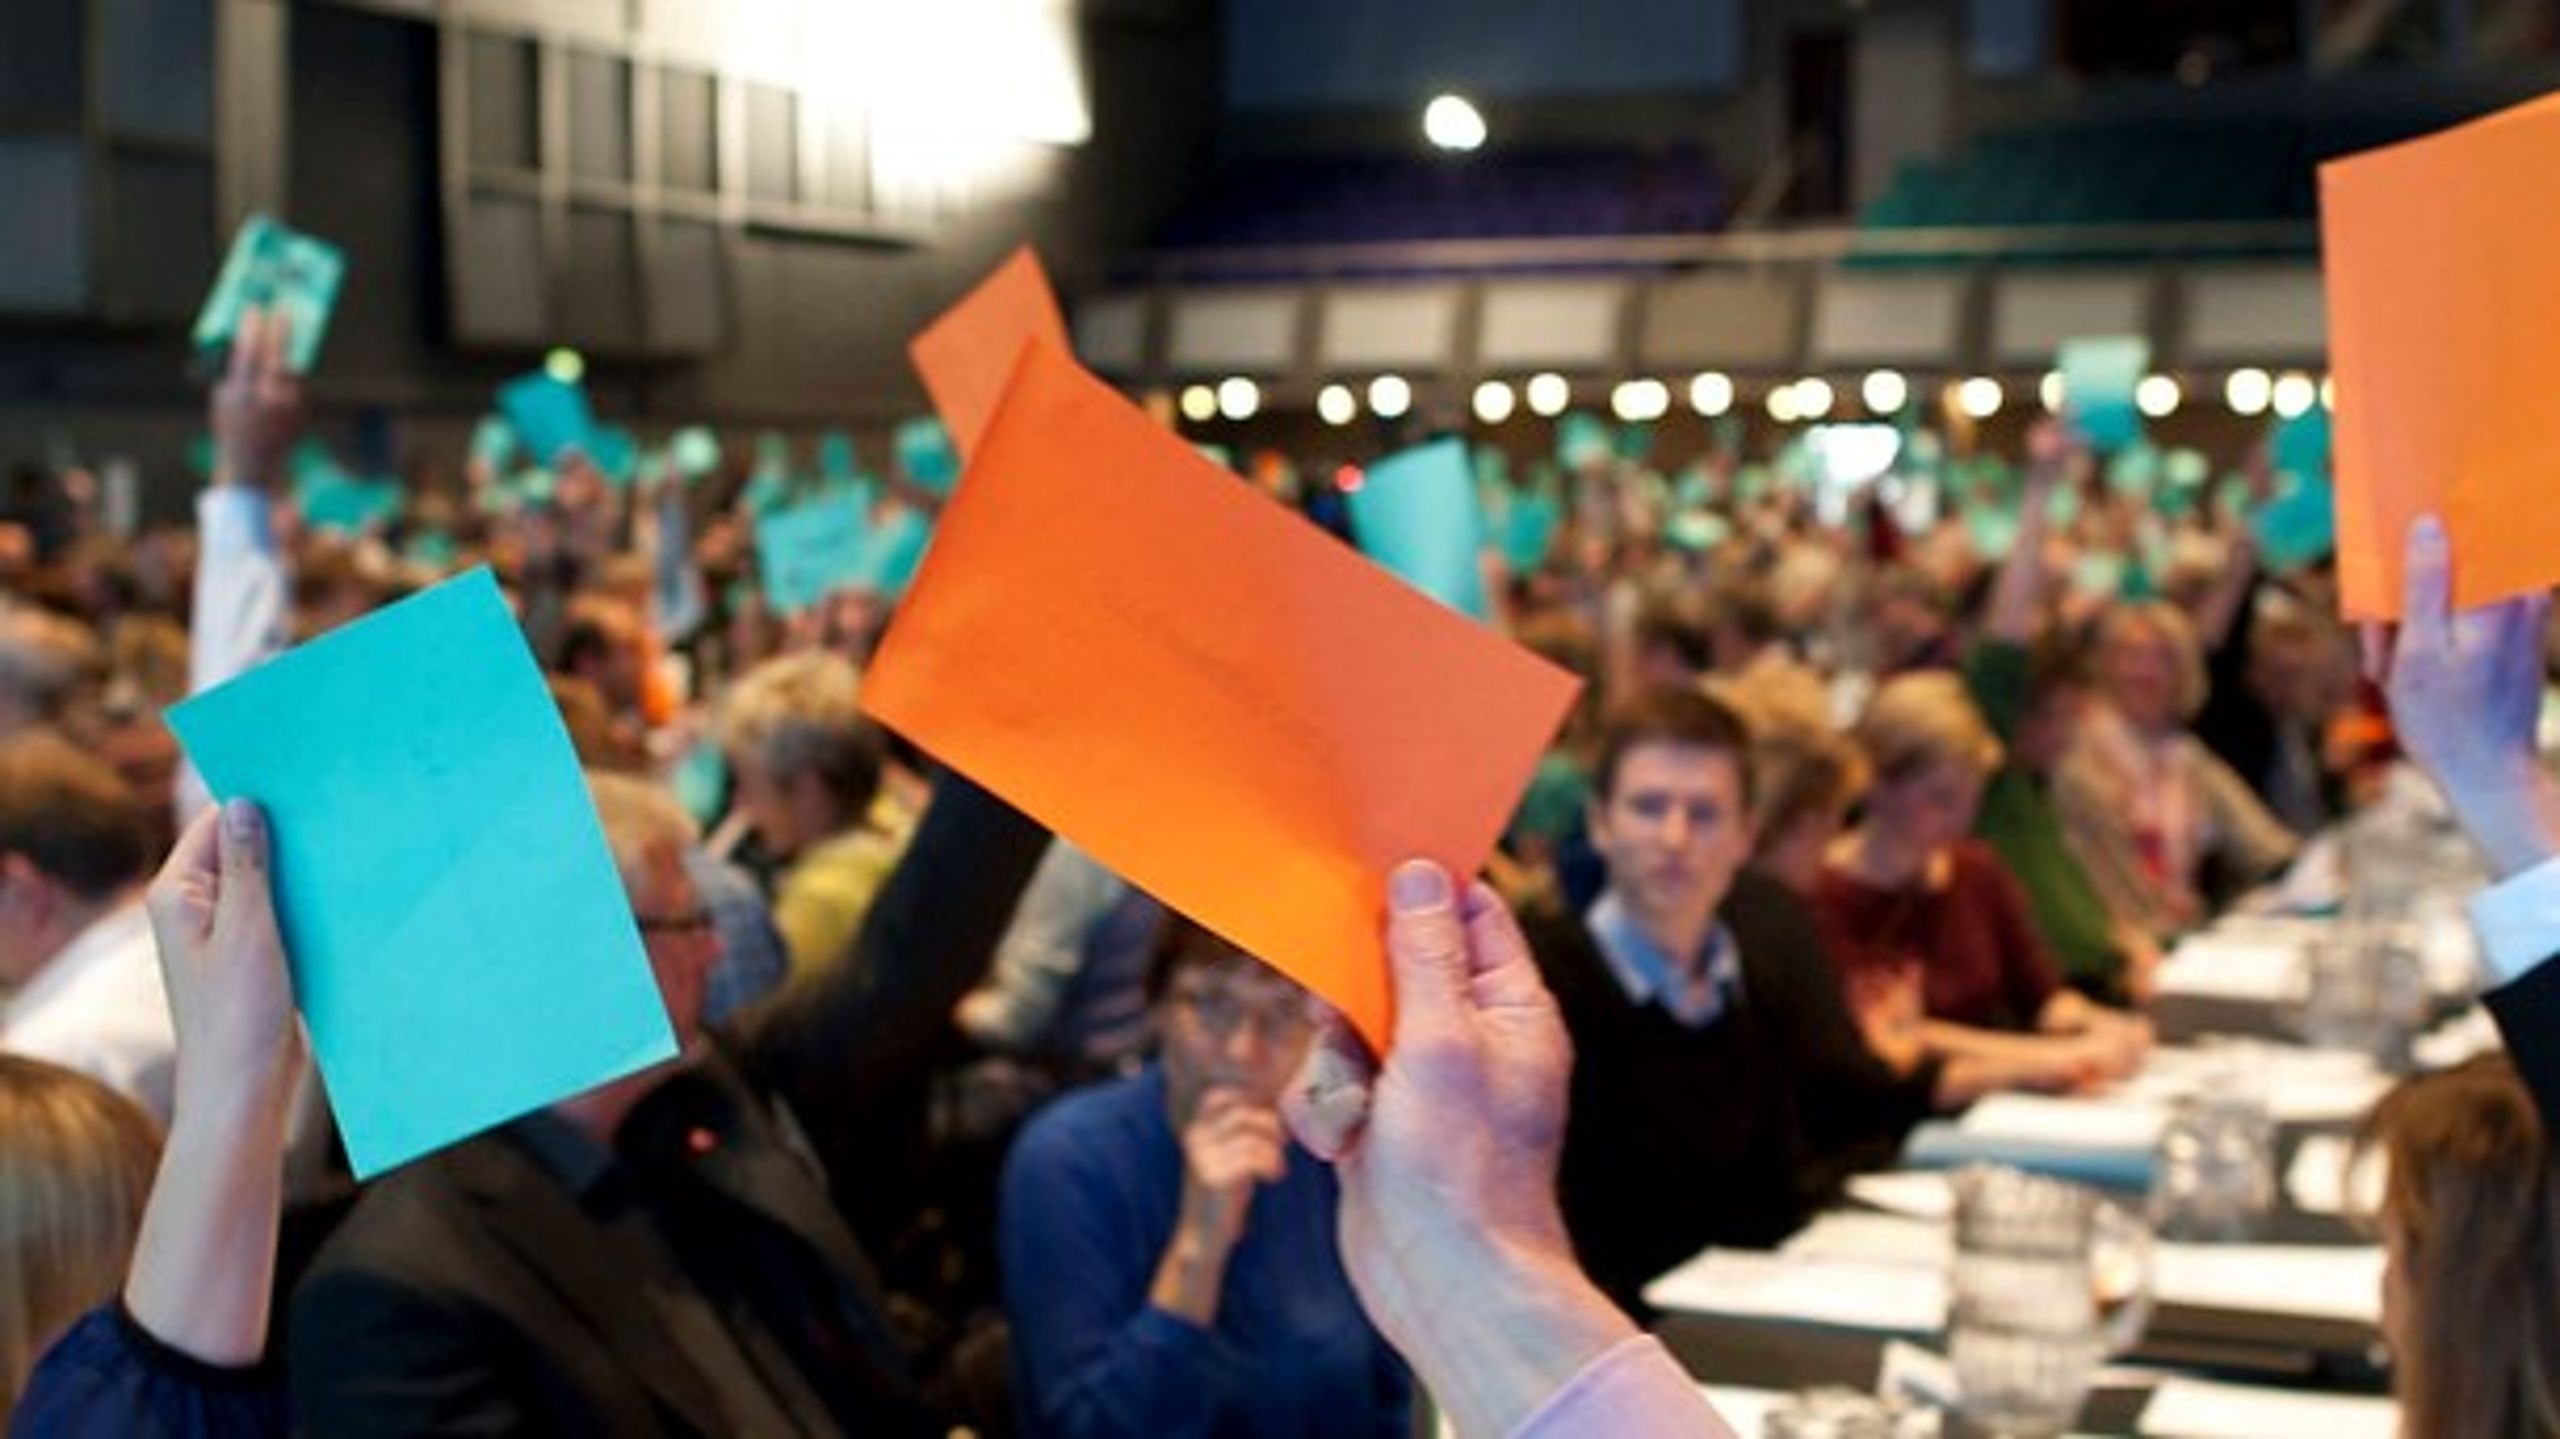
column 245, row 905
column 1426, row 953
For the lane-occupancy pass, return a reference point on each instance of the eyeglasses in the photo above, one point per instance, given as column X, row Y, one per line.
column 690, row 922
column 1220, row 1015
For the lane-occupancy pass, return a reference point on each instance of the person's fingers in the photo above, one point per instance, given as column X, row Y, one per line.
column 278, row 342
column 1426, row 952
column 1327, row 1104
column 246, row 345
column 2373, row 644
column 2426, row 605
column 188, row 878
column 246, row 906
column 1500, row 972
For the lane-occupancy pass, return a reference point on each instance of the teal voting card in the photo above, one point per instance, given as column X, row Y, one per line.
column 894, row 551
column 462, row 948
column 810, row 550
column 1415, row 513
column 549, row 415
column 284, row 273
column 925, row 453
column 2099, row 375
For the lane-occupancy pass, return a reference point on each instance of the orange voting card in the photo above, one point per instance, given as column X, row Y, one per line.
column 965, row 355
column 1224, row 705
column 2444, row 336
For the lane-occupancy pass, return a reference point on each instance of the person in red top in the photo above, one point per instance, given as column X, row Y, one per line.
column 1925, row 920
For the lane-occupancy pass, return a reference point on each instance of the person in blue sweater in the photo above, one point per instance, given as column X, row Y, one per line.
column 1170, row 1263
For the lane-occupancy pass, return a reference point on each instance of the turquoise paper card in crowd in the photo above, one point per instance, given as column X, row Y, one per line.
column 893, row 552
column 2099, row 375
column 925, row 453
column 615, row 454
column 277, row 270
column 548, row 415
column 2300, row 526
column 1415, row 513
column 809, row 551
column 462, row 948
column 2300, row 446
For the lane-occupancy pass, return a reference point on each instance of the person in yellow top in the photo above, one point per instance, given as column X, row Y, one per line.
column 808, row 765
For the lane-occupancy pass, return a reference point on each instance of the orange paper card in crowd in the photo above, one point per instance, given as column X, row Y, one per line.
column 2444, row 336
column 1235, row 712
column 966, row 355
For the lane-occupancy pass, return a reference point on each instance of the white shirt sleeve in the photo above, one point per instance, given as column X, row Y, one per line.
column 2519, row 921
column 239, row 619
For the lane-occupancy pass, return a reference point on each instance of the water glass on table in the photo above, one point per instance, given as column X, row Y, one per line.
column 2049, row 1279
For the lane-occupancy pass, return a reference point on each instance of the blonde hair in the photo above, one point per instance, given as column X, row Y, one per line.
column 643, row 823
column 802, row 714
column 2470, row 1186
column 1923, row 719
column 76, row 1160
column 2171, row 625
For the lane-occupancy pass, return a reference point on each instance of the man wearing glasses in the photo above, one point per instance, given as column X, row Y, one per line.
column 1169, row 1255
column 664, row 1254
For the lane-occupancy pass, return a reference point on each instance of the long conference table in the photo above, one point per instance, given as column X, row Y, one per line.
column 2277, row 1332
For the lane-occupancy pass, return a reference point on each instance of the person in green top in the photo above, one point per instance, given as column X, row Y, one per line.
column 2032, row 694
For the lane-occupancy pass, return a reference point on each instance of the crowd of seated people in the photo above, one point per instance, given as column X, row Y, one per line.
column 966, row 1130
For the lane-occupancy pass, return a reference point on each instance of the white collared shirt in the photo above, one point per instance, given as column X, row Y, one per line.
column 98, row 1006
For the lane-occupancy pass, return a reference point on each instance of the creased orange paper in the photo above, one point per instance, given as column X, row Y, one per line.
column 966, row 355
column 1213, row 698
column 2444, row 337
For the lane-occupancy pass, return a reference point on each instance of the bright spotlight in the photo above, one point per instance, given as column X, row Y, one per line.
column 2295, row 394
column 1884, row 391
column 1451, row 123
column 1549, row 394
column 1199, row 404
column 1711, row 394
column 2248, row 391
column 2053, row 392
column 1813, row 398
column 1979, row 397
column 1336, row 405
column 1782, row 405
column 2157, row 396
column 1239, row 398
column 1495, row 402
column 1390, row 396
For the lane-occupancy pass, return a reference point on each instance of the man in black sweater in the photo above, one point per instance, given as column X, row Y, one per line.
column 1720, row 1086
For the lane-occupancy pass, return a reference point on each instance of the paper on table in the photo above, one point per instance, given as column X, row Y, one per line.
column 462, row 948
column 2323, row 1179
column 810, row 550
column 1415, row 513
column 2217, row 966
column 1892, row 1298
column 966, row 355
column 2436, row 283
column 1912, row 1195
column 1202, row 690
column 2074, row 1123
column 2199, row 1409
column 1850, row 1235
column 2309, row 1281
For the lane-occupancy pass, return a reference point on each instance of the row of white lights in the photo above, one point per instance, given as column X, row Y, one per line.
column 2247, row 392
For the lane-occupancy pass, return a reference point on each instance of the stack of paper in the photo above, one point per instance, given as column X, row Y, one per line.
column 2341, row 1282
column 2196, row 1409
column 1889, row 1298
